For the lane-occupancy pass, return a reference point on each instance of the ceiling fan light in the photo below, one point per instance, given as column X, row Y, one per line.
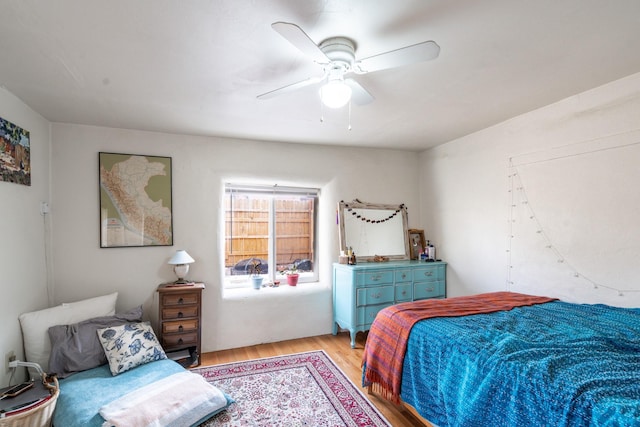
column 335, row 94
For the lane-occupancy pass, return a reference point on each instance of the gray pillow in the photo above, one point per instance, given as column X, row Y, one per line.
column 76, row 347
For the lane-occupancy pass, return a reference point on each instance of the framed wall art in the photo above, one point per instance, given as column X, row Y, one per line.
column 15, row 153
column 416, row 242
column 135, row 200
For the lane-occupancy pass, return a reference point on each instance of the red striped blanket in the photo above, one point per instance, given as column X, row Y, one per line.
column 384, row 351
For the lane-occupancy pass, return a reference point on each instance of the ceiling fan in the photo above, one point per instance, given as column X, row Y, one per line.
column 337, row 56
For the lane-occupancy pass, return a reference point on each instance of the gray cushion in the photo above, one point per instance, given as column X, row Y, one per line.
column 77, row 348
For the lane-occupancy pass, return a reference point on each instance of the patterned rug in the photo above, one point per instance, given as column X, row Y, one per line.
column 304, row 389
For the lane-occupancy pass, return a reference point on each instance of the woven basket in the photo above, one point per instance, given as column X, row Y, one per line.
column 39, row 416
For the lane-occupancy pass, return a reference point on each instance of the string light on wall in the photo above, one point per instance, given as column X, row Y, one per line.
column 520, row 200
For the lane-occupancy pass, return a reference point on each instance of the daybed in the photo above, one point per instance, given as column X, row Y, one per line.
column 507, row 359
column 111, row 367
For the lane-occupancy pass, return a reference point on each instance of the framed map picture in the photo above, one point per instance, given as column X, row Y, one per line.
column 135, row 200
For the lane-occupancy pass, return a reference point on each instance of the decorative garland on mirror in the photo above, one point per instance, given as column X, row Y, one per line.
column 372, row 221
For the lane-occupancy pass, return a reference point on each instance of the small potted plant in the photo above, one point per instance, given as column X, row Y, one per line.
column 255, row 269
column 292, row 275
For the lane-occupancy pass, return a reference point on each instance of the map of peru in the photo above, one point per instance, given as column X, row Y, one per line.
column 135, row 200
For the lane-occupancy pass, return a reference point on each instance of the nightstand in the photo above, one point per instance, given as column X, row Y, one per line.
column 180, row 318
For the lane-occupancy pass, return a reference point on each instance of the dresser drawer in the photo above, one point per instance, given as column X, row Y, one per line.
column 375, row 278
column 428, row 274
column 367, row 314
column 425, row 290
column 403, row 275
column 185, row 298
column 180, row 339
column 179, row 312
column 403, row 292
column 374, row 295
column 179, row 326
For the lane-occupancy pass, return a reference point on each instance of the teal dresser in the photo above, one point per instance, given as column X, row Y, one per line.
column 360, row 291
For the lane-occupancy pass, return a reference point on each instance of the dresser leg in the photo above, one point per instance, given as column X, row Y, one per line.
column 353, row 338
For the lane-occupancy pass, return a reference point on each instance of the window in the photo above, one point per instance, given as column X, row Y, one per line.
column 272, row 227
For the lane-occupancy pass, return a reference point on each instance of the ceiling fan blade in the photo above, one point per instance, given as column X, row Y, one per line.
column 301, row 40
column 419, row 52
column 359, row 94
column 291, row 87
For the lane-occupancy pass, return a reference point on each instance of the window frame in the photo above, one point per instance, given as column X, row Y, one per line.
column 272, row 192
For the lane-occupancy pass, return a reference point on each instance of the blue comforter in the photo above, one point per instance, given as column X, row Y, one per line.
column 552, row 364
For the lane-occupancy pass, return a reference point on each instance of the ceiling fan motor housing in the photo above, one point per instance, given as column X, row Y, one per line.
column 341, row 51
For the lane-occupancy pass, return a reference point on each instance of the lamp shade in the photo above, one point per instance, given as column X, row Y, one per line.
column 181, row 257
column 335, row 93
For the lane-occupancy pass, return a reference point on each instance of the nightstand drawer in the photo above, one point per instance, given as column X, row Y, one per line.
column 188, row 325
column 374, row 295
column 375, row 278
column 180, row 339
column 179, row 299
column 179, row 312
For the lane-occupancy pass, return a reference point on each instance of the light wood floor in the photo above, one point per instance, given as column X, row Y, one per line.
column 338, row 348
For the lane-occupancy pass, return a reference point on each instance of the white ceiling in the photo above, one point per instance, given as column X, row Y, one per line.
column 196, row 66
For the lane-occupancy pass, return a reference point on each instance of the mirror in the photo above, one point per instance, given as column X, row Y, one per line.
column 373, row 229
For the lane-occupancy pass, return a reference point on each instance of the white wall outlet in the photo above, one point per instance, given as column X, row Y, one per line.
column 9, row 357
column 44, row 208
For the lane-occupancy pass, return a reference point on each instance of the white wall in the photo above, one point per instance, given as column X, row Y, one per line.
column 200, row 166
column 576, row 201
column 23, row 281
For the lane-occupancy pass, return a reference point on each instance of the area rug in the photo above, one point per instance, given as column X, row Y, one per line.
column 303, row 389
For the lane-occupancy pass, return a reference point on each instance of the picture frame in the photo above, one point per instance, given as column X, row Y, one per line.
column 135, row 200
column 417, row 242
column 15, row 153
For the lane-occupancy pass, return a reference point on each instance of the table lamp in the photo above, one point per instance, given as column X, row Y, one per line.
column 180, row 261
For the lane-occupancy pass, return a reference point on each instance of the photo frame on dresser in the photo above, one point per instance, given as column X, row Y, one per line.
column 135, row 200
column 417, row 242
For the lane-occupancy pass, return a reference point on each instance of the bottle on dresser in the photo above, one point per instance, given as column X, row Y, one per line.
column 351, row 256
column 431, row 251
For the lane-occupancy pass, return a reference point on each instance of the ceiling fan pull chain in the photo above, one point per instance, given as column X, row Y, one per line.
column 321, row 110
column 349, row 127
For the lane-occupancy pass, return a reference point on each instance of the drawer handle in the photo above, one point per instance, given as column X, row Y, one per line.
column 376, row 277
column 376, row 296
column 181, row 301
column 372, row 315
column 180, row 341
column 429, row 289
column 180, row 328
column 180, row 314
column 428, row 273
column 404, row 293
column 404, row 275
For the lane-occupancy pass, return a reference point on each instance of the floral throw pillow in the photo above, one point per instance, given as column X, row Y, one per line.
column 130, row 345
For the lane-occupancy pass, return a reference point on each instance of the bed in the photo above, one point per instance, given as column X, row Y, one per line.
column 505, row 358
column 112, row 370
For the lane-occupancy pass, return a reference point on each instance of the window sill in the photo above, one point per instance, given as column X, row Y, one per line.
column 282, row 290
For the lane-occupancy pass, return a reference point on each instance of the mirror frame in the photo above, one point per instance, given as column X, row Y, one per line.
column 393, row 210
